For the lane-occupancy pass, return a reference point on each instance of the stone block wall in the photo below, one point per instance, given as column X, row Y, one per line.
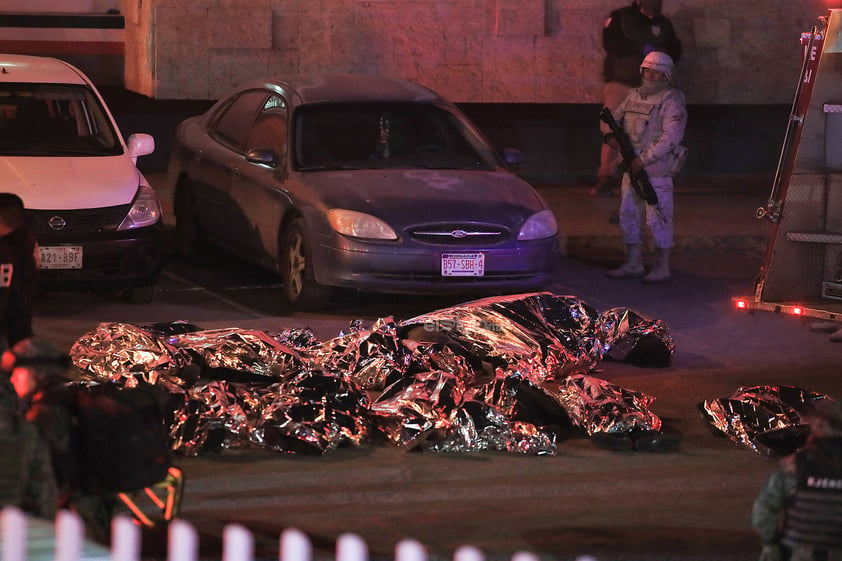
column 472, row 51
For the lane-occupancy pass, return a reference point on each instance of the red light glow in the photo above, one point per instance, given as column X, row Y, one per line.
column 797, row 311
column 741, row 304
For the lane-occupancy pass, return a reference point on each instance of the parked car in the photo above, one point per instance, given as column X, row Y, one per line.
column 367, row 182
column 96, row 218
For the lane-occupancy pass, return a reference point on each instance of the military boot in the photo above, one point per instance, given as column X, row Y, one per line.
column 632, row 268
column 661, row 271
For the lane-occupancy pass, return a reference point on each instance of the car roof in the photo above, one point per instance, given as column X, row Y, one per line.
column 321, row 88
column 38, row 69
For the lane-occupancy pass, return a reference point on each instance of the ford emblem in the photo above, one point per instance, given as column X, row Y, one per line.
column 458, row 233
column 57, row 223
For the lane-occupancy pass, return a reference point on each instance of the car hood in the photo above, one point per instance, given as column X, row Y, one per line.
column 47, row 183
column 417, row 196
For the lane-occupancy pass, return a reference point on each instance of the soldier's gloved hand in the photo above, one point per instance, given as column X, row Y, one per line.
column 771, row 552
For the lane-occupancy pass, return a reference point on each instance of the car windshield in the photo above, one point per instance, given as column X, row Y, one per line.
column 378, row 135
column 54, row 120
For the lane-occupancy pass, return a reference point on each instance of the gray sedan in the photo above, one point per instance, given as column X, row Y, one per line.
column 357, row 181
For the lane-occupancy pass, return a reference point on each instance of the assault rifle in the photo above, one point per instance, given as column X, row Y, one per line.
column 640, row 180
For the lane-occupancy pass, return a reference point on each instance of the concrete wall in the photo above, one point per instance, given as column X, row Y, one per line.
column 472, row 51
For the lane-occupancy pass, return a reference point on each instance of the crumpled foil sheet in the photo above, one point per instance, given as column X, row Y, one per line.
column 126, row 354
column 764, row 419
column 471, row 377
column 540, row 336
column 478, row 427
column 239, row 350
column 630, row 336
column 596, row 405
column 368, row 356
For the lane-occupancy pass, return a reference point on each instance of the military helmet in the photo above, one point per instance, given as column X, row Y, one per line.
column 658, row 60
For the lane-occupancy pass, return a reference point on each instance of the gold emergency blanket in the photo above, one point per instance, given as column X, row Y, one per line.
column 764, row 419
column 500, row 373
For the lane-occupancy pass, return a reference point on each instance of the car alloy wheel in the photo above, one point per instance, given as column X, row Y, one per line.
column 299, row 283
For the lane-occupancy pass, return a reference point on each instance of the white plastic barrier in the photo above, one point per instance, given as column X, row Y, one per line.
column 29, row 539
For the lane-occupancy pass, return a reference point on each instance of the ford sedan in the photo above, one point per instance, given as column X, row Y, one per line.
column 356, row 181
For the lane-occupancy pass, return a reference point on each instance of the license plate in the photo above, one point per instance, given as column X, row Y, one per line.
column 60, row 257
column 463, row 264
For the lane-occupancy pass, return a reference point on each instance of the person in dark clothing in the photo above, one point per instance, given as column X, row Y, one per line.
column 799, row 510
column 39, row 372
column 7, row 273
column 628, row 35
column 20, row 238
column 26, row 475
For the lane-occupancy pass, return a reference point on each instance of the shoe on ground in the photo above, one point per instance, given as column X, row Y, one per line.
column 626, row 271
column 655, row 441
column 657, row 277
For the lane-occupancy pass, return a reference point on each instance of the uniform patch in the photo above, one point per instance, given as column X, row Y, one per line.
column 656, row 30
column 6, row 270
column 639, row 107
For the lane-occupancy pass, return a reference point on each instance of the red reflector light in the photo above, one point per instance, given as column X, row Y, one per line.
column 797, row 311
column 741, row 304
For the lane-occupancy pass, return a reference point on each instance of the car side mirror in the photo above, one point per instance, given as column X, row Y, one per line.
column 512, row 156
column 263, row 156
column 140, row 144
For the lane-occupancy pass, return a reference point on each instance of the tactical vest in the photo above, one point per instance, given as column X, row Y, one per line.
column 814, row 514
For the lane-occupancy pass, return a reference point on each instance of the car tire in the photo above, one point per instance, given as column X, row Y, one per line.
column 300, row 289
column 190, row 239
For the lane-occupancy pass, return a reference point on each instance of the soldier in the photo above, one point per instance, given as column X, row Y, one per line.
column 654, row 117
column 39, row 374
column 800, row 507
column 26, row 476
column 628, row 35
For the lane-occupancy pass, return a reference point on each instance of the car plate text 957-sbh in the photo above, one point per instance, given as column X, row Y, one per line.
column 462, row 264
column 60, row 257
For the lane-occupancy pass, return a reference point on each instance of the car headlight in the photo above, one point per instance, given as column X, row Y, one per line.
column 145, row 211
column 360, row 225
column 538, row 226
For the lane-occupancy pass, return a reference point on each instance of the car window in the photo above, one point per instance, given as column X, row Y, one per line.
column 54, row 119
column 374, row 135
column 234, row 122
column 270, row 127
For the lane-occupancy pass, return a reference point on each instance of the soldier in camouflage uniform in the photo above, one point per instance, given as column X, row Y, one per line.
column 654, row 117
column 39, row 374
column 799, row 510
column 26, row 476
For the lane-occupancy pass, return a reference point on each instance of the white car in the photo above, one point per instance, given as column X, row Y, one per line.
column 97, row 220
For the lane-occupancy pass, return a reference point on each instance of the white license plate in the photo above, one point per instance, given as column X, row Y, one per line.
column 463, row 264
column 60, row 257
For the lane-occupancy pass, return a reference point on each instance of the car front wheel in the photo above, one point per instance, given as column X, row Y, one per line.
column 301, row 291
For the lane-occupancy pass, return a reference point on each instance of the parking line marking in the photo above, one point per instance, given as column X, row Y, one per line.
column 217, row 295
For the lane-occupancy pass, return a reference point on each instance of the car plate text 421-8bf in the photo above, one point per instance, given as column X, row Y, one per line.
column 60, row 257
column 462, row 264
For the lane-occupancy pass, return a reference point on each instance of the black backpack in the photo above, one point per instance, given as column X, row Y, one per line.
column 122, row 438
